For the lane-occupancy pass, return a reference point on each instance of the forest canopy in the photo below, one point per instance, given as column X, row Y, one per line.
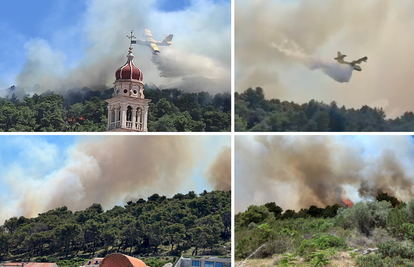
column 85, row 110
column 159, row 225
column 254, row 113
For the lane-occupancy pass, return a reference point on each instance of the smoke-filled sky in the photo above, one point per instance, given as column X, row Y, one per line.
column 39, row 173
column 299, row 171
column 276, row 39
column 63, row 44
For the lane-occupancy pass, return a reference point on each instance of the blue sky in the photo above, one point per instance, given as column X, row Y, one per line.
column 21, row 21
column 49, row 171
column 62, row 24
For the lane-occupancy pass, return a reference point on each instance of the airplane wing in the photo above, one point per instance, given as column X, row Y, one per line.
column 154, row 48
column 359, row 61
column 148, row 34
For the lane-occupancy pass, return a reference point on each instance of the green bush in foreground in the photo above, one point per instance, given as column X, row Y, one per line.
column 393, row 248
column 319, row 247
column 377, row 261
column 390, row 253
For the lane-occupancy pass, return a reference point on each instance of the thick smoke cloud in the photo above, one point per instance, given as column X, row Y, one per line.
column 380, row 30
column 299, row 171
column 110, row 170
column 201, row 48
column 192, row 70
column 220, row 170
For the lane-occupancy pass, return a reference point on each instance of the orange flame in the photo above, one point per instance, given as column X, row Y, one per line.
column 74, row 119
column 347, row 202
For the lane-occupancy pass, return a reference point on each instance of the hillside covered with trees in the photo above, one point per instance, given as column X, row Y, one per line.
column 254, row 113
column 370, row 233
column 190, row 223
column 84, row 110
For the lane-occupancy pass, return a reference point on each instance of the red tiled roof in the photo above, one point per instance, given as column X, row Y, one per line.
column 121, row 260
column 41, row 264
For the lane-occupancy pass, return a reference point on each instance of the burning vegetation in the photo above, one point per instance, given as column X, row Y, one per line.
column 347, row 202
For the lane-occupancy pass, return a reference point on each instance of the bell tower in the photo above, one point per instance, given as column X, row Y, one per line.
column 128, row 107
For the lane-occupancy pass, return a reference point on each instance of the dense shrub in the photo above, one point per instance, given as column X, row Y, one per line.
column 409, row 210
column 377, row 261
column 255, row 214
column 379, row 235
column 320, row 242
column 370, row 260
column 364, row 215
column 251, row 226
column 392, row 248
column 395, row 221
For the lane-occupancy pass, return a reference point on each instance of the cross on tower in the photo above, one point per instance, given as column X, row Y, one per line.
column 131, row 37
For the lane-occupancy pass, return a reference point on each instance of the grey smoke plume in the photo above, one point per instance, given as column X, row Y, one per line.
column 299, row 171
column 192, row 72
column 103, row 28
column 110, row 170
column 376, row 29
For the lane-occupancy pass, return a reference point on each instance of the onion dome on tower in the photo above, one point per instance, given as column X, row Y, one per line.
column 129, row 79
column 129, row 71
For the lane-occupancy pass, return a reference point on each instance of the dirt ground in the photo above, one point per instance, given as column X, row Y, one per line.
column 341, row 259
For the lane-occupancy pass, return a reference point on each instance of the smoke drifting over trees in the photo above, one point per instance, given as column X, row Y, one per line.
column 220, row 170
column 108, row 170
column 321, row 28
column 299, row 171
column 200, row 48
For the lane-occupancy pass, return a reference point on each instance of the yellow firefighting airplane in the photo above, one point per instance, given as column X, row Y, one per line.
column 354, row 63
column 151, row 43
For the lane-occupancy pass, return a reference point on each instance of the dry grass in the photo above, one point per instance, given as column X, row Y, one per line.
column 256, row 263
column 341, row 259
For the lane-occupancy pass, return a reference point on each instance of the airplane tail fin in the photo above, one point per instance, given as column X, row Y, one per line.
column 168, row 39
column 340, row 57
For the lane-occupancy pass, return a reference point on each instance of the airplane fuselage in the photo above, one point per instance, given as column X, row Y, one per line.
column 356, row 67
column 148, row 43
column 153, row 44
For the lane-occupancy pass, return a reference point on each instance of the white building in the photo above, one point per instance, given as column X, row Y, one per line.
column 203, row 262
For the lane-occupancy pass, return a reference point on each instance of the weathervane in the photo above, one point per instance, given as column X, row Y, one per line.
column 132, row 37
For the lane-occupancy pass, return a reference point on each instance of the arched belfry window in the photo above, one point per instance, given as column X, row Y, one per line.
column 139, row 115
column 129, row 114
column 113, row 115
